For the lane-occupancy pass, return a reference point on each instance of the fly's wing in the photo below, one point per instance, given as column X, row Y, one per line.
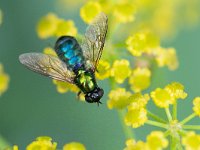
column 94, row 40
column 47, row 65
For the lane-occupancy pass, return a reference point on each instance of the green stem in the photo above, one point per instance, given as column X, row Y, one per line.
column 157, row 124
column 175, row 111
column 187, row 119
column 191, row 127
column 169, row 116
column 167, row 133
column 127, row 130
column 155, row 117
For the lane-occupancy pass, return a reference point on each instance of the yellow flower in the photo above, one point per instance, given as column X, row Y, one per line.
column 138, row 100
column 162, row 98
column 156, row 140
column 118, row 98
column 120, row 70
column 74, row 146
column 142, row 42
column 47, row 25
column 65, row 27
column 124, row 12
column 1, row 17
column 176, row 90
column 191, row 141
column 4, row 80
column 135, row 117
column 136, row 44
column 49, row 51
column 103, row 70
column 63, row 87
column 42, row 143
column 166, row 56
column 15, row 147
column 140, row 79
column 196, row 107
column 131, row 144
column 89, row 11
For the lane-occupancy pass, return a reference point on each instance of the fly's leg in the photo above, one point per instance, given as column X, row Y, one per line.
column 79, row 95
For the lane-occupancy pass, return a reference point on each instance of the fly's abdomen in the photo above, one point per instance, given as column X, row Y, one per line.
column 70, row 52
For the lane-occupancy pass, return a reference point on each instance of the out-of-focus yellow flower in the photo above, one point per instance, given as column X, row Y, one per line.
column 4, row 80
column 163, row 19
column 103, row 70
column 47, row 25
column 138, row 100
column 90, row 10
column 49, row 51
column 156, row 140
column 176, row 90
column 15, row 147
column 162, row 98
column 42, row 143
column 120, row 70
column 135, row 117
column 124, row 12
column 118, row 98
column 191, row 141
column 142, row 42
column 131, row 144
column 166, row 56
column 196, row 107
column 65, row 27
column 136, row 44
column 140, row 79
column 1, row 17
column 63, row 87
column 74, row 146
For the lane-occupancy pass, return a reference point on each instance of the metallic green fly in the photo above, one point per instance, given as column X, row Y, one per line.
column 76, row 63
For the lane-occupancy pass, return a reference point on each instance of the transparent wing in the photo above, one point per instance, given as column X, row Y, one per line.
column 94, row 40
column 47, row 65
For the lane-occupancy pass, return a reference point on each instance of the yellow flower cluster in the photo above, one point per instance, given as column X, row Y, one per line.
column 50, row 25
column 118, row 98
column 164, row 97
column 196, row 107
column 4, row 80
column 137, row 113
column 191, row 141
column 140, row 79
column 103, row 70
column 166, row 57
column 141, row 42
column 45, row 143
column 155, row 141
column 124, row 12
column 120, row 70
column 90, row 10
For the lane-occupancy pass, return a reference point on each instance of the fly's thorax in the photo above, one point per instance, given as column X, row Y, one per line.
column 70, row 52
column 85, row 80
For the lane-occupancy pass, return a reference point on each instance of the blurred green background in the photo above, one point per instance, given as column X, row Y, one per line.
column 32, row 107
